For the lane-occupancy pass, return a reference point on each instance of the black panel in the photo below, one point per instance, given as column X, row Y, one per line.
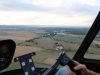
column 7, row 49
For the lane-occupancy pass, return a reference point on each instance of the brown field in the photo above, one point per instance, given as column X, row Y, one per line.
column 17, row 36
column 96, row 42
column 22, row 34
column 20, row 50
column 14, row 37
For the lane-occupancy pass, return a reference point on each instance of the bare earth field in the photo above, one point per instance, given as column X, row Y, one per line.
column 17, row 36
column 14, row 37
column 96, row 42
column 22, row 34
column 20, row 50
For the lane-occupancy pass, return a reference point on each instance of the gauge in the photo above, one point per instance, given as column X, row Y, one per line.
column 4, row 49
column 3, row 62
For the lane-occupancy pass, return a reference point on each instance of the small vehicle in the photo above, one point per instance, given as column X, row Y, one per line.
column 27, row 64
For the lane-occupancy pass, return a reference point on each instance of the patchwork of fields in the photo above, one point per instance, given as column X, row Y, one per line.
column 44, row 46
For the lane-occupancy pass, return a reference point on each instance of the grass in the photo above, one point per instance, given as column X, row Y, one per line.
column 95, row 51
column 69, row 39
column 16, row 65
column 81, row 36
column 48, row 43
column 44, row 54
column 39, row 58
column 3, row 33
column 98, row 36
column 40, row 34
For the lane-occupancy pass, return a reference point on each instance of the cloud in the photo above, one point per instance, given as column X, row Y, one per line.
column 89, row 2
column 66, row 12
column 51, row 6
column 37, row 18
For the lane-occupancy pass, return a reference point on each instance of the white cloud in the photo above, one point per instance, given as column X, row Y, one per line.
column 46, row 3
column 48, row 12
column 37, row 18
column 88, row 2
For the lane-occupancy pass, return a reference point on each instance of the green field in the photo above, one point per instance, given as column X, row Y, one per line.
column 3, row 33
column 16, row 65
column 81, row 36
column 40, row 34
column 48, row 43
column 69, row 39
column 92, row 50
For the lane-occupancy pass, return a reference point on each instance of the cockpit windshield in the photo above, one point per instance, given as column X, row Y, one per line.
column 46, row 27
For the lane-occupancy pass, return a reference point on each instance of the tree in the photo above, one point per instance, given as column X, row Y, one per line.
column 36, row 43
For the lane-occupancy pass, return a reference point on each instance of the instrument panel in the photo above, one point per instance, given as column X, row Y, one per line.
column 7, row 49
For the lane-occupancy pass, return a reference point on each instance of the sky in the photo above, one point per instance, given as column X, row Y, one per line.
column 49, row 12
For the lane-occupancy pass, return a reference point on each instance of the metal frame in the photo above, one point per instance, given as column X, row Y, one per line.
column 79, row 56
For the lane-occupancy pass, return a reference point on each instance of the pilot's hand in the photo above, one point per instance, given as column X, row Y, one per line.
column 69, row 70
column 82, row 68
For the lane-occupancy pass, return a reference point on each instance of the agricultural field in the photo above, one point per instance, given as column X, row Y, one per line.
column 21, row 50
column 17, row 36
column 81, row 36
column 42, row 41
column 48, row 43
column 16, row 65
column 69, row 38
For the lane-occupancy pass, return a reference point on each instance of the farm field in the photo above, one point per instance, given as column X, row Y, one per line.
column 92, row 56
column 81, row 36
column 17, row 36
column 43, row 43
column 21, row 50
column 48, row 43
column 95, row 51
column 16, row 65
column 46, row 56
column 69, row 39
